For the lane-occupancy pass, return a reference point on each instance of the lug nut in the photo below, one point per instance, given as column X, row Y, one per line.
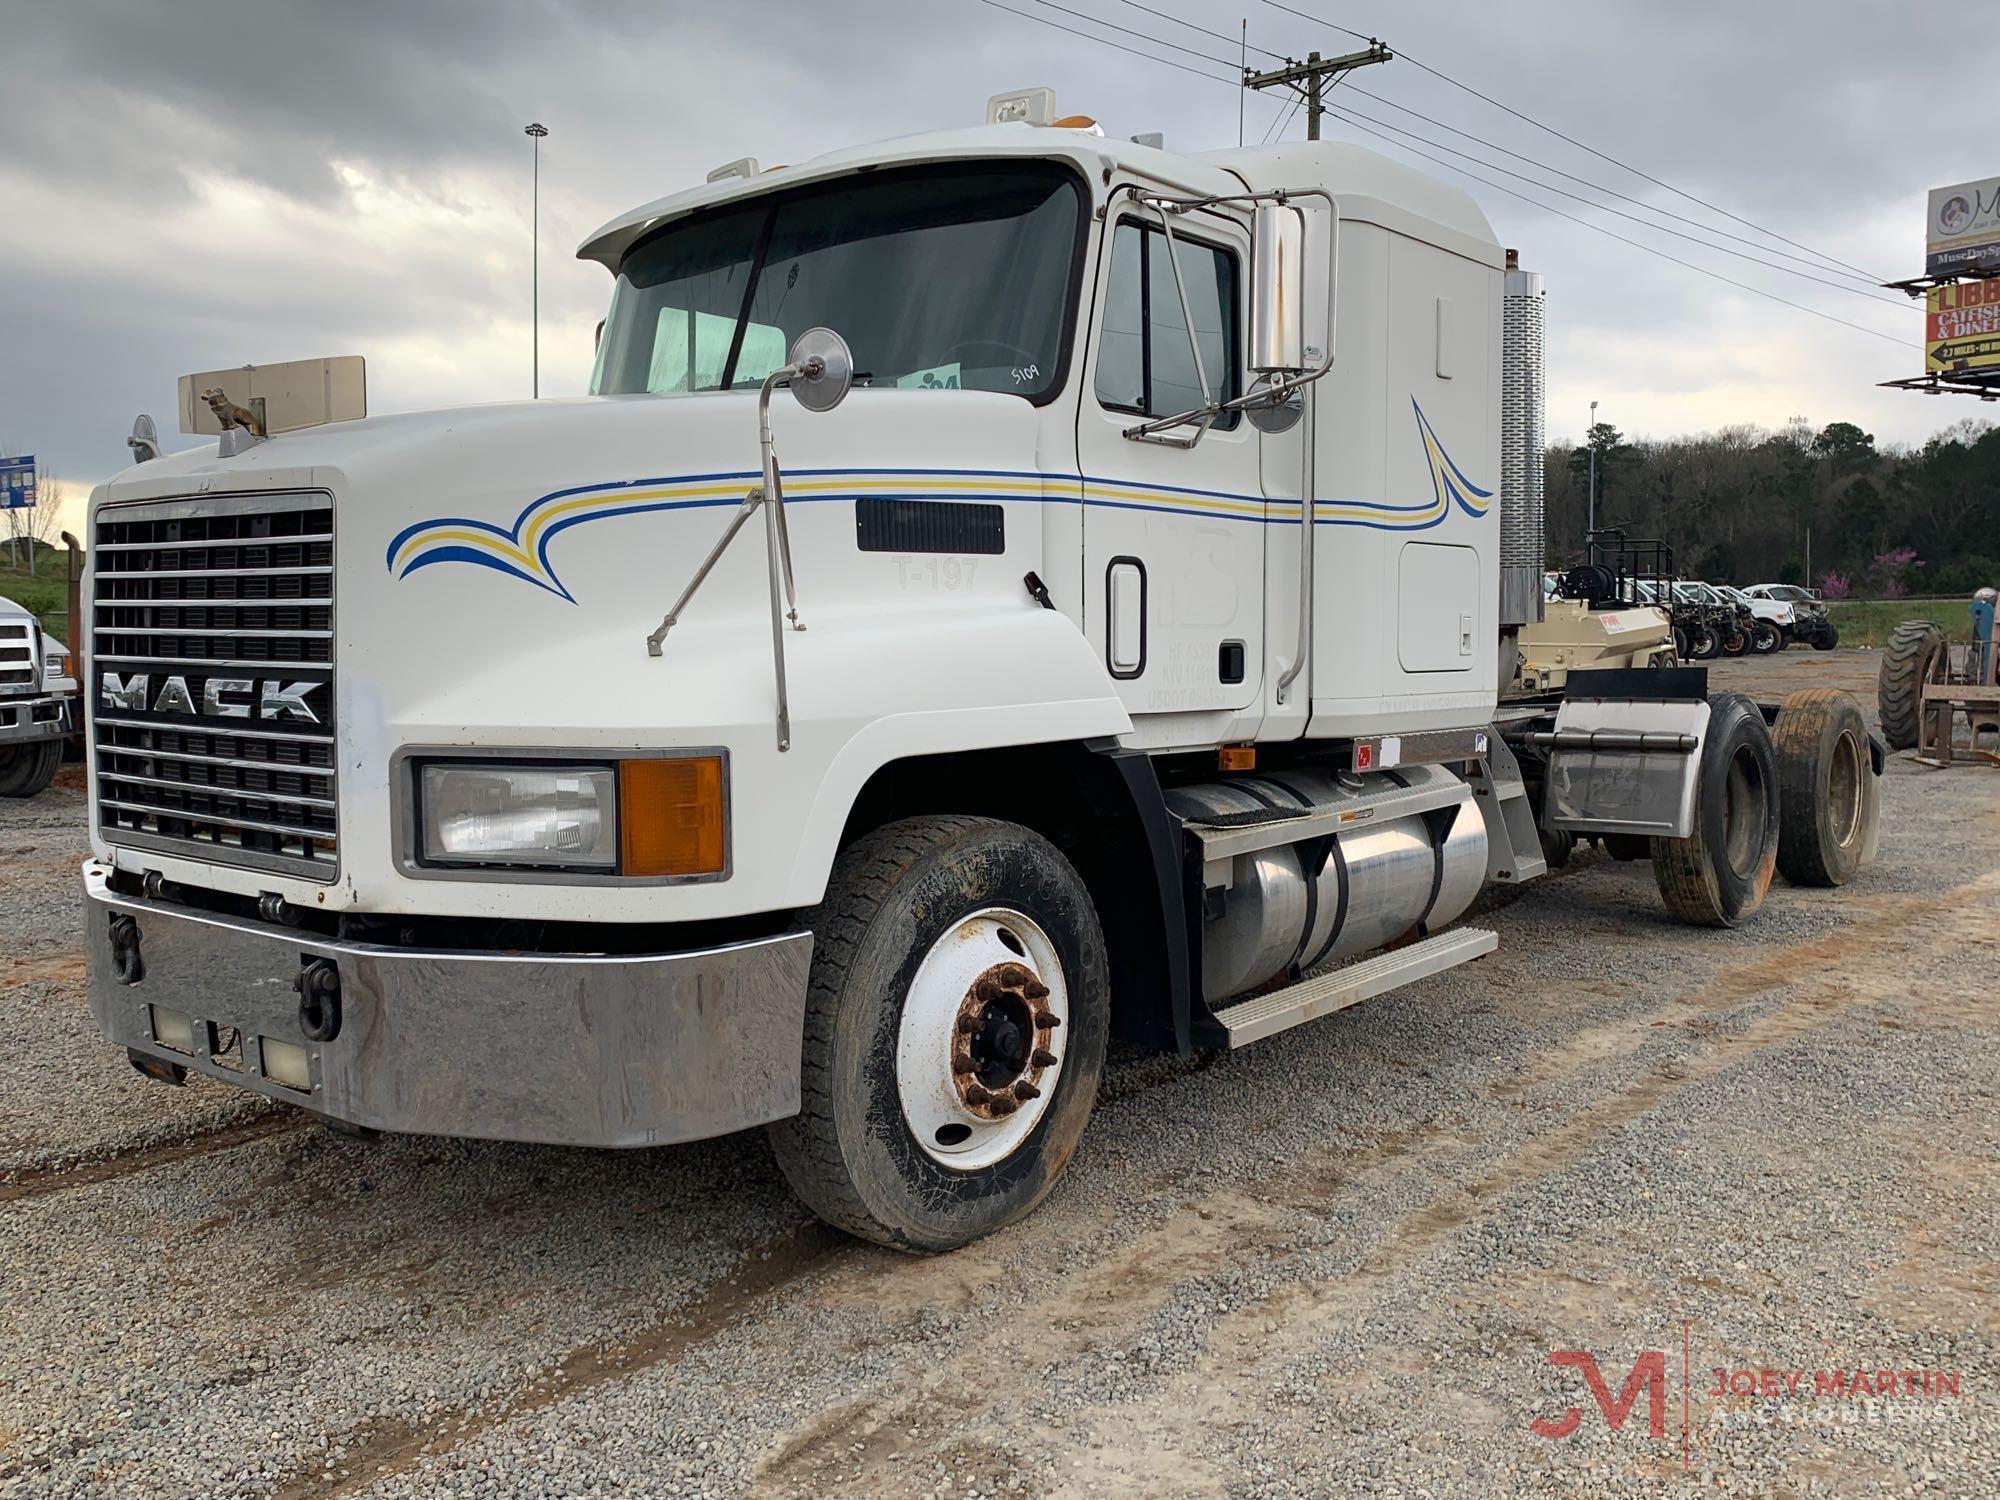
column 1047, row 1019
column 1002, row 1104
column 961, row 1064
column 1044, row 1058
column 1014, row 976
column 967, row 1025
column 1036, row 990
column 1024, row 1091
column 976, row 1093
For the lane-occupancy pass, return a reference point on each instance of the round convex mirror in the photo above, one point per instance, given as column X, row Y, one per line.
column 1281, row 417
column 826, row 369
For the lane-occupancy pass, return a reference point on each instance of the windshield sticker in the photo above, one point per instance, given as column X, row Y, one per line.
column 937, row 378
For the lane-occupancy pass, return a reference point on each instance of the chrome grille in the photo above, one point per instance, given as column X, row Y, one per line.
column 211, row 675
column 17, row 657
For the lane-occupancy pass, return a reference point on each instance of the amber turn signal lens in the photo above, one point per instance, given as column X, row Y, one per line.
column 670, row 816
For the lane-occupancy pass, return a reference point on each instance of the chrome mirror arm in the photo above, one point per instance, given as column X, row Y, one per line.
column 819, row 373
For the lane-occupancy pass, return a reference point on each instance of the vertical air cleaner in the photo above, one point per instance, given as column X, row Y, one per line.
column 1523, row 441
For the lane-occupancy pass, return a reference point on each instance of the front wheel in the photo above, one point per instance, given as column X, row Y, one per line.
column 956, row 1021
column 26, row 769
column 1827, row 639
column 1766, row 638
column 1735, row 641
column 1702, row 644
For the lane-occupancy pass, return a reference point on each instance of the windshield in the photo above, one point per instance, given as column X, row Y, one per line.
column 939, row 279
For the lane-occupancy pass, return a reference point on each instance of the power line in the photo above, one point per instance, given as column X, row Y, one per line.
column 1838, row 286
column 1817, row 264
column 1219, row 36
column 1083, row 15
column 1623, row 240
column 1474, row 176
column 1572, row 140
column 1103, row 41
column 1281, row 119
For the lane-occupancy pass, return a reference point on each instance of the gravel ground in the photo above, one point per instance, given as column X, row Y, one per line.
column 1335, row 1263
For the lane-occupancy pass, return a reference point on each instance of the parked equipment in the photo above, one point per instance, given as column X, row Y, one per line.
column 1924, row 684
column 1038, row 718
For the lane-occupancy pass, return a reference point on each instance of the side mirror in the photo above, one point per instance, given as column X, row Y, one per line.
column 1277, row 291
column 822, row 369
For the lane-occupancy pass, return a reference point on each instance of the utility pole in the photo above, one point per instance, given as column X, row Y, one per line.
column 1590, row 437
column 1309, row 78
column 537, row 130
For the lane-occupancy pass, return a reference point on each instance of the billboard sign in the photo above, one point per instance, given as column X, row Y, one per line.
column 17, row 482
column 1962, row 329
column 1962, row 228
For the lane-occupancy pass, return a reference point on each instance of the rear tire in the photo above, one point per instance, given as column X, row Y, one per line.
column 1915, row 655
column 26, row 769
column 1718, row 875
column 1828, row 802
column 909, row 1134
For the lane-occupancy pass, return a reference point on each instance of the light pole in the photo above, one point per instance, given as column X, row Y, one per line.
column 537, row 130
column 1590, row 437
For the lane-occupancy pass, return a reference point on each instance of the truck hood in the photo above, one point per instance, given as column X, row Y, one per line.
column 498, row 569
column 513, row 487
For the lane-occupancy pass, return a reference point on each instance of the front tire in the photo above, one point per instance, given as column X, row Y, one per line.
column 956, row 1021
column 26, row 769
column 1766, row 639
column 1702, row 644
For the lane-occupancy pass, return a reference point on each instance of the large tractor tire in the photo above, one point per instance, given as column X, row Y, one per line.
column 956, row 1021
column 1766, row 639
column 26, row 769
column 1718, row 875
column 1915, row 655
column 1829, row 807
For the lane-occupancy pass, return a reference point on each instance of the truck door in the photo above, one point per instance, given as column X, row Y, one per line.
column 1173, row 537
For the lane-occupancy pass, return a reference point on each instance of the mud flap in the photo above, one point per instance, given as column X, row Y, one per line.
column 1620, row 765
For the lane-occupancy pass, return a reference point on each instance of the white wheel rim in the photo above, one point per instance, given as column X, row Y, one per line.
column 971, row 1098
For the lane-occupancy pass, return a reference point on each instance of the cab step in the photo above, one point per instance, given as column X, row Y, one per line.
column 1265, row 1015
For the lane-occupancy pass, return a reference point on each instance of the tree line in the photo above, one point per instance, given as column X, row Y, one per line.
column 1829, row 508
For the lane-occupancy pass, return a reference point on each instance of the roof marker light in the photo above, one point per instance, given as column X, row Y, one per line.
column 1022, row 107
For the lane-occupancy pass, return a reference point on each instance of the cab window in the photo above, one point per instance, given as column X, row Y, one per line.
column 1145, row 363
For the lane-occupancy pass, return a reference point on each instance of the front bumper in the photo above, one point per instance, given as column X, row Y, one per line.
column 24, row 720
column 573, row 1049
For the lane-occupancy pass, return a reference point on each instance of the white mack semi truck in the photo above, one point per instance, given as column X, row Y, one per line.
column 904, row 674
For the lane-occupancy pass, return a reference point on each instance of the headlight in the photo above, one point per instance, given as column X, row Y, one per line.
column 562, row 816
column 661, row 817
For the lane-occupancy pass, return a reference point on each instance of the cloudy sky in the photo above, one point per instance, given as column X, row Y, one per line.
column 198, row 184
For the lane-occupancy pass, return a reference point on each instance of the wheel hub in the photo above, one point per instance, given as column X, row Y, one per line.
column 1003, row 1035
column 977, row 1060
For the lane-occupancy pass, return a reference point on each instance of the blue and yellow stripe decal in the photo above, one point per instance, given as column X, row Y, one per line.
column 522, row 549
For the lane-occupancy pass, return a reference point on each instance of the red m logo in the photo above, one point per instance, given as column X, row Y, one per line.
column 1650, row 1373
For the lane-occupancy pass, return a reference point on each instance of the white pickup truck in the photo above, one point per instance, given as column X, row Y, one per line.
column 473, row 771
column 37, row 702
